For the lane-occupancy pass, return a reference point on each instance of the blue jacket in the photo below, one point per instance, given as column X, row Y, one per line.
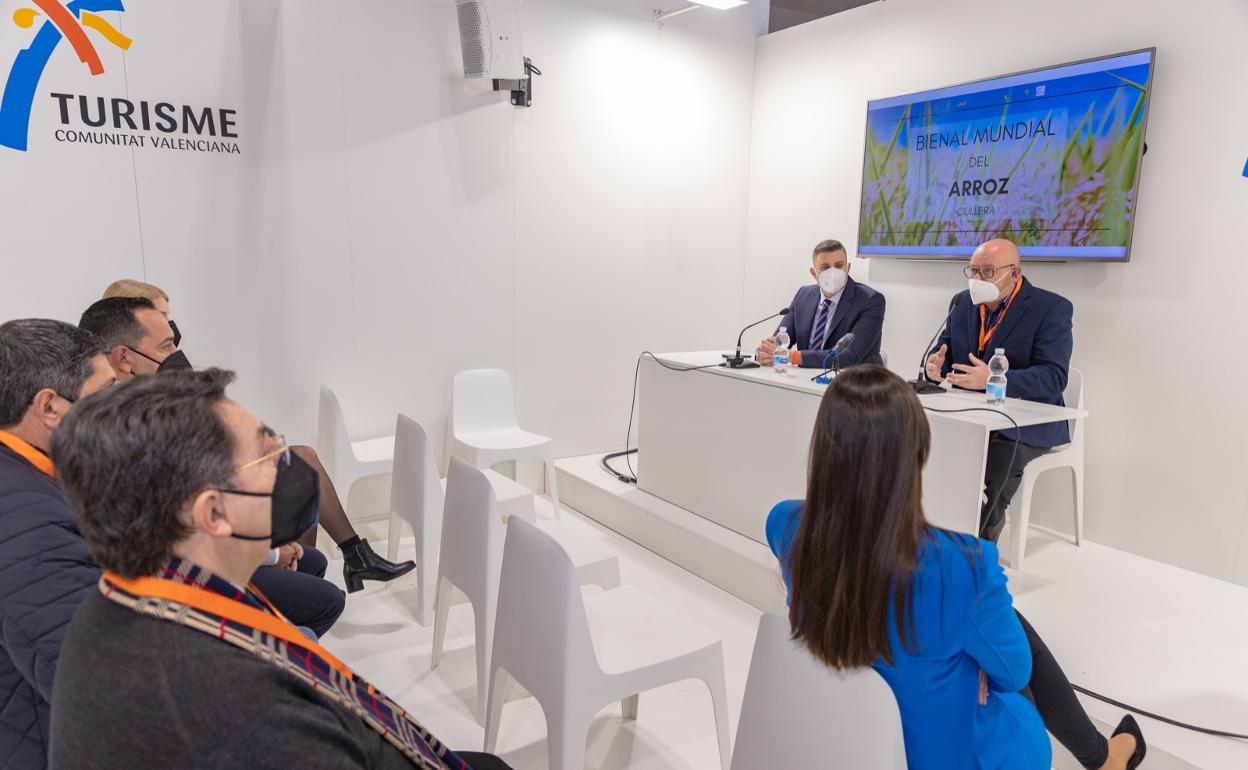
column 964, row 622
column 860, row 310
column 45, row 571
column 1038, row 340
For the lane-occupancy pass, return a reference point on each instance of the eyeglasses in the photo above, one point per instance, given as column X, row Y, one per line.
column 970, row 271
column 282, row 454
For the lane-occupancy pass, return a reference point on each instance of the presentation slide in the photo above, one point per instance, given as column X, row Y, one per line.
column 1049, row 159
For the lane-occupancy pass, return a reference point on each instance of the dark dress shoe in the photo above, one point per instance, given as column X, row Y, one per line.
column 362, row 563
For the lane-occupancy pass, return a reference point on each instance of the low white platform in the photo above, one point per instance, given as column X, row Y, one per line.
column 739, row 565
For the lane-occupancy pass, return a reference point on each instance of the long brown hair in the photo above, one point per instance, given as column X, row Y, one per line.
column 857, row 544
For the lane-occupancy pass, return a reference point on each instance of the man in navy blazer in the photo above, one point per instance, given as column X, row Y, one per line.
column 1034, row 328
column 822, row 313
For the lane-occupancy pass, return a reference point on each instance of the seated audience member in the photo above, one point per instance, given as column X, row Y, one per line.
column 1034, row 327
column 172, row 661
column 360, row 562
column 292, row 576
column 822, row 313
column 872, row 584
column 45, row 570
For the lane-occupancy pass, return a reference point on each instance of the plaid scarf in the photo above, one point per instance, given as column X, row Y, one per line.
column 280, row 644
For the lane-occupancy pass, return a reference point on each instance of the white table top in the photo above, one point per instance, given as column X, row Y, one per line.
column 1024, row 412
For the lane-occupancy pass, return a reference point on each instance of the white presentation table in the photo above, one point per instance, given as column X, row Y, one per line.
column 728, row 444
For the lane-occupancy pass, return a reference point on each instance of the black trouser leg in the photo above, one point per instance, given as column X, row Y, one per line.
column 304, row 597
column 1061, row 711
column 1002, row 475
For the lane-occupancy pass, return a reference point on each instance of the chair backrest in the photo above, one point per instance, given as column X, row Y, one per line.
column 472, row 536
column 482, row 400
column 541, row 633
column 800, row 713
column 331, row 431
column 1073, row 396
column 415, row 488
column 884, row 358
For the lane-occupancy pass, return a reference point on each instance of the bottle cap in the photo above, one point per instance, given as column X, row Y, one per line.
column 1001, row 351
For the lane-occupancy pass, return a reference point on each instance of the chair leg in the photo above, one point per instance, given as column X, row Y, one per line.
column 552, row 482
column 426, row 597
column 500, row 687
column 567, row 729
column 628, row 706
column 392, row 539
column 714, row 679
column 439, row 621
column 1022, row 520
column 1078, row 473
column 482, row 642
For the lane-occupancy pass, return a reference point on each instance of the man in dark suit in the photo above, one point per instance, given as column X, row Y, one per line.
column 1033, row 326
column 45, row 570
column 822, row 313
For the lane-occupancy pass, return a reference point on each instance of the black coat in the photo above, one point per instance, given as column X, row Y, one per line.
column 45, row 571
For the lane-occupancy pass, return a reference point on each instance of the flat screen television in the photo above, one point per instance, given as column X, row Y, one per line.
column 1048, row 158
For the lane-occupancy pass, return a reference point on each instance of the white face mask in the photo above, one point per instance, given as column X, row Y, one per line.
column 984, row 291
column 832, row 280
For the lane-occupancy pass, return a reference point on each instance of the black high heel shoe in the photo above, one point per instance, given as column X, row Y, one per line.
column 362, row 563
column 1129, row 725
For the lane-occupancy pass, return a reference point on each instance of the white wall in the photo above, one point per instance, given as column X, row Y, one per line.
column 390, row 223
column 1158, row 339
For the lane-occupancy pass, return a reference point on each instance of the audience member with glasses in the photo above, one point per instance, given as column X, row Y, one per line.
column 173, row 660
column 1034, row 328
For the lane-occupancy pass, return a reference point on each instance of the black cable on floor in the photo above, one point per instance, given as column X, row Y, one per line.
column 1167, row 720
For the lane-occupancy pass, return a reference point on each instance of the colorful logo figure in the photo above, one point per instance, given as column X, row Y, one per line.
column 67, row 22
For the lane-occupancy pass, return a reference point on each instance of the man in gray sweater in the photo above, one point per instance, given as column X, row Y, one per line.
column 173, row 661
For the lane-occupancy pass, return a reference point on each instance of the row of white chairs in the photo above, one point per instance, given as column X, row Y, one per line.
column 533, row 627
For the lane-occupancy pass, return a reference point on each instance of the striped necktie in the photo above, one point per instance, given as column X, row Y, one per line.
column 821, row 325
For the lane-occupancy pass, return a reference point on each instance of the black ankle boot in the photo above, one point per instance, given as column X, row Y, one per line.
column 362, row 563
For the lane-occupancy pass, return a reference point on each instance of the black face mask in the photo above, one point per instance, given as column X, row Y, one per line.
column 177, row 335
column 175, row 360
column 296, row 500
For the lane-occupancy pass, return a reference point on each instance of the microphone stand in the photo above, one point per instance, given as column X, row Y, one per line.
column 738, row 361
column 921, row 384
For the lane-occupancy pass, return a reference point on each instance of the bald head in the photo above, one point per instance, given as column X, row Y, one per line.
column 997, row 253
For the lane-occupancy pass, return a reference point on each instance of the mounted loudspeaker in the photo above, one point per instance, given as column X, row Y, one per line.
column 489, row 39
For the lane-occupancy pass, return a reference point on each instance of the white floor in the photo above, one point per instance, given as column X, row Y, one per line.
column 1170, row 641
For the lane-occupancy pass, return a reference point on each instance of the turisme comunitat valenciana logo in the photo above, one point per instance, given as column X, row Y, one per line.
column 98, row 120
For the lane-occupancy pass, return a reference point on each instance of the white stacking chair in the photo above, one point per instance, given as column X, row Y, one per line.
column 485, row 430
column 348, row 461
column 1066, row 456
column 577, row 654
column 471, row 558
column 416, row 497
column 800, row 714
column 884, row 358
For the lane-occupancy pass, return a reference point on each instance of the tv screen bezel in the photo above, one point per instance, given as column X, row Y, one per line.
column 1135, row 191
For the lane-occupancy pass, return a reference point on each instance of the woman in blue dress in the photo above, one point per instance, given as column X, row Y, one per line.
column 872, row 584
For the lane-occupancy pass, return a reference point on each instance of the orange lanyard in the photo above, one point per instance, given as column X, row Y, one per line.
column 28, row 453
column 206, row 601
column 986, row 335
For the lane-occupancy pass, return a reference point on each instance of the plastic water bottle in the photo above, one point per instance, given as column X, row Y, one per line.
column 780, row 357
column 998, row 365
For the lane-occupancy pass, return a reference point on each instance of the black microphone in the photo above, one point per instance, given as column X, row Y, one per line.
column 736, row 360
column 920, row 384
column 834, row 354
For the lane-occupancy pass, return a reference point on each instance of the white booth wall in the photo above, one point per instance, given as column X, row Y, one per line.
column 1159, row 340
column 389, row 223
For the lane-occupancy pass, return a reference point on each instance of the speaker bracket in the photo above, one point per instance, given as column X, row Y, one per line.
column 522, row 89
